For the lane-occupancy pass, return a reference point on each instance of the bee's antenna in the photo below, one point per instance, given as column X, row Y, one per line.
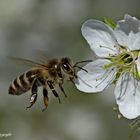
column 84, row 61
column 81, row 68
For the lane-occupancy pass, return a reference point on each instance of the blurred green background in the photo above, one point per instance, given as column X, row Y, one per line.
column 53, row 26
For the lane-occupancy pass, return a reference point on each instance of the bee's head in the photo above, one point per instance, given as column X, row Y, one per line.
column 67, row 67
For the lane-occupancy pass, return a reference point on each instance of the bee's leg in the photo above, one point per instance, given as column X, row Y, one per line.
column 62, row 89
column 71, row 80
column 53, row 90
column 33, row 96
column 45, row 95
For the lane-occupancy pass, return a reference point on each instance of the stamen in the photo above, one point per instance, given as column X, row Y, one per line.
column 136, row 58
column 135, row 86
column 110, row 81
column 105, row 76
column 84, row 82
column 121, row 86
column 122, row 48
column 102, row 76
column 107, row 48
column 122, row 82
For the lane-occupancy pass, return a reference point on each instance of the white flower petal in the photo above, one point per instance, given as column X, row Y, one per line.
column 132, row 41
column 127, row 94
column 99, row 34
column 121, row 37
column 127, row 32
column 128, row 24
column 97, row 78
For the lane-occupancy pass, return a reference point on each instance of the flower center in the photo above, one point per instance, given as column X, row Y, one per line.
column 124, row 62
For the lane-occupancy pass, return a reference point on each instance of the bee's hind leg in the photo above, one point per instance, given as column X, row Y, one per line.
column 45, row 95
column 33, row 96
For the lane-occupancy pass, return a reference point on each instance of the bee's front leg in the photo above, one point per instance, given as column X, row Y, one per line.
column 33, row 96
column 62, row 89
column 71, row 79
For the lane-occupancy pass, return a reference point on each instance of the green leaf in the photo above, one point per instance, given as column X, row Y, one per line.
column 109, row 22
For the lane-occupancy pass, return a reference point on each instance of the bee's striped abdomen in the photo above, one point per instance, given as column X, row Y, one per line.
column 23, row 83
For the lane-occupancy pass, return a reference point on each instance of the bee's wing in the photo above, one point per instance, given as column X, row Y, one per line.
column 41, row 55
column 26, row 62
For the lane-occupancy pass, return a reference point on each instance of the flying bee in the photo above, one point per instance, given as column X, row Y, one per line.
column 47, row 75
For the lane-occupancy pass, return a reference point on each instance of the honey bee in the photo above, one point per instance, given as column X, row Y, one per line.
column 47, row 75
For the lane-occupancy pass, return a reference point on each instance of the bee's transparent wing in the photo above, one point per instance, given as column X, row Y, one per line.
column 26, row 62
column 41, row 55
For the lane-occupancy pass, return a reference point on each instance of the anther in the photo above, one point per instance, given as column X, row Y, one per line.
column 136, row 58
column 119, row 98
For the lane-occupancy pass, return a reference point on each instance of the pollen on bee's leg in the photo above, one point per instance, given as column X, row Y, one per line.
column 45, row 103
column 45, row 98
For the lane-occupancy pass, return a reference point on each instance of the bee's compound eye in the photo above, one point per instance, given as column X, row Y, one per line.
column 66, row 67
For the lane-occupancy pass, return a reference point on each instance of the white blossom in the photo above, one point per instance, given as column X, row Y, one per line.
column 118, row 62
